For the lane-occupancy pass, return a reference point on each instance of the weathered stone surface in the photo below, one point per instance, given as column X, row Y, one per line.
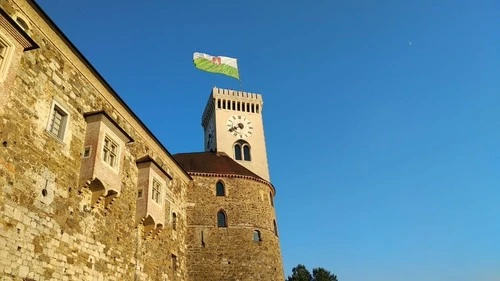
column 54, row 228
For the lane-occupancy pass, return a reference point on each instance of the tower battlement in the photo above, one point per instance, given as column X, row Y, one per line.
column 228, row 93
column 227, row 99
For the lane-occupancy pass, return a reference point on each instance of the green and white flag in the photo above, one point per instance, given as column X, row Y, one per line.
column 223, row 65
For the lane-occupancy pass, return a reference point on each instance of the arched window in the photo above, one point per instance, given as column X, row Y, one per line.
column 246, row 152
column 174, row 221
column 219, row 189
column 221, row 219
column 256, row 236
column 237, row 151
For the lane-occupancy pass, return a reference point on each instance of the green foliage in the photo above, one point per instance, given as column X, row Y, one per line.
column 321, row 274
column 300, row 273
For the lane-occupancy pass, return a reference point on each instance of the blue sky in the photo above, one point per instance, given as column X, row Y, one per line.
column 384, row 153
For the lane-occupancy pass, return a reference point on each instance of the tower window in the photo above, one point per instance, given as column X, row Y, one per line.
column 253, row 108
column 248, row 107
column 221, row 219
column 257, row 108
column 224, row 104
column 271, row 198
column 237, row 151
column 246, row 153
column 275, row 228
column 256, row 236
column 218, row 103
column 233, row 107
column 219, row 189
column 242, row 151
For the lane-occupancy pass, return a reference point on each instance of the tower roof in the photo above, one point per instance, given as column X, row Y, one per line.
column 213, row 163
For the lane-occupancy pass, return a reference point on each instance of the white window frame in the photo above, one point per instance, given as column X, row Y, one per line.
column 63, row 126
column 113, row 162
column 156, row 191
column 6, row 51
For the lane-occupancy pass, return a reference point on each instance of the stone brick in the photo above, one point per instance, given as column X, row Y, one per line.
column 53, row 228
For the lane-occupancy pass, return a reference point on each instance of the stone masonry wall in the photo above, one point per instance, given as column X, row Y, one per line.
column 48, row 230
column 230, row 253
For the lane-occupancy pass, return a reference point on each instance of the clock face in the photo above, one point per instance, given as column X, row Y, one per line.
column 210, row 137
column 239, row 126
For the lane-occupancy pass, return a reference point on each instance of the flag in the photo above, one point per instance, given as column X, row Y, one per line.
column 223, row 65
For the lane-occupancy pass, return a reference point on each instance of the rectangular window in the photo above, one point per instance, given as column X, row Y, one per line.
column 156, row 191
column 58, row 120
column 86, row 152
column 6, row 50
column 110, row 151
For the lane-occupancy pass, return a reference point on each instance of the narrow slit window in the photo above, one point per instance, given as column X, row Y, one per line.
column 174, row 262
column 218, row 103
column 174, row 221
column 246, row 153
column 237, row 151
column 257, row 236
column 253, row 108
column 219, row 189
column 224, row 104
column 221, row 219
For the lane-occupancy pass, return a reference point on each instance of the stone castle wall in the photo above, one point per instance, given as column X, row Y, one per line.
column 231, row 253
column 59, row 223
column 49, row 230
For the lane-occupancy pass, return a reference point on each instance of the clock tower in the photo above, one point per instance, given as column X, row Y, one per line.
column 233, row 124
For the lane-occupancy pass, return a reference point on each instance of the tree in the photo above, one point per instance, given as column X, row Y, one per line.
column 321, row 274
column 300, row 273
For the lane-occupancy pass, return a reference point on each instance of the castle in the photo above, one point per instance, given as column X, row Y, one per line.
column 87, row 192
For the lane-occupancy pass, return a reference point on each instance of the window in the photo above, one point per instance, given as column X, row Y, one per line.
column 219, row 189
column 109, row 151
column 246, row 152
column 156, row 191
column 174, row 221
column 174, row 262
column 271, row 198
column 221, row 219
column 139, row 193
column 86, row 152
column 256, row 236
column 218, row 103
column 58, row 120
column 242, row 151
column 5, row 54
column 275, row 228
column 237, row 152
